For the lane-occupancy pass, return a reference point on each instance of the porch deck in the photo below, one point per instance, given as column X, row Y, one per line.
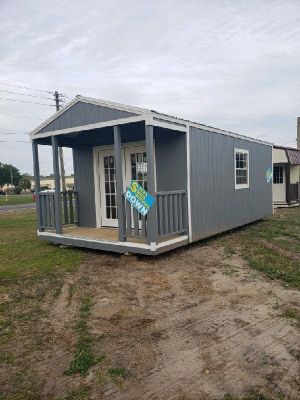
column 108, row 234
column 107, row 239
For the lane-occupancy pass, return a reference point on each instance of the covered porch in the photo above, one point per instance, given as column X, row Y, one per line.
column 95, row 214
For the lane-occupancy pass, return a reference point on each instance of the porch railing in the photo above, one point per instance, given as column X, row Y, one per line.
column 47, row 208
column 171, row 212
column 171, row 216
column 135, row 223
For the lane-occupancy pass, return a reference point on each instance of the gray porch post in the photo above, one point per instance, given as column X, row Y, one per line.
column 57, row 200
column 119, row 183
column 152, row 230
column 36, row 172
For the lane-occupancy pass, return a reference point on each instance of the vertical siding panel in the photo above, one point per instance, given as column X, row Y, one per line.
column 83, row 113
column 84, row 184
column 216, row 204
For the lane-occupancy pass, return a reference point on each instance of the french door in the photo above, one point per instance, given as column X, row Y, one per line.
column 108, row 205
column 134, row 166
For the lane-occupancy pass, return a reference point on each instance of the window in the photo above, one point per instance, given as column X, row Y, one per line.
column 241, row 159
column 277, row 174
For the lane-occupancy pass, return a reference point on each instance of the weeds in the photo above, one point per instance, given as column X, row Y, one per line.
column 291, row 314
column 84, row 357
column 282, row 231
column 118, row 372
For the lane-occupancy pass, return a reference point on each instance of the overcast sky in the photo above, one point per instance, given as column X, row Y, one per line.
column 230, row 64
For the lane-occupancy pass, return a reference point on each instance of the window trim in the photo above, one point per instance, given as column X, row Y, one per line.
column 241, row 185
column 280, row 167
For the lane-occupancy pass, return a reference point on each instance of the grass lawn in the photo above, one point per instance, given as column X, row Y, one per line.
column 271, row 246
column 23, row 255
column 31, row 274
column 14, row 199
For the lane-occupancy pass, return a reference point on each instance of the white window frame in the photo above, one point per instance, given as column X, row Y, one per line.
column 241, row 185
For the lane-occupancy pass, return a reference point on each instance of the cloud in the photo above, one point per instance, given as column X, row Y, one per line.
column 230, row 64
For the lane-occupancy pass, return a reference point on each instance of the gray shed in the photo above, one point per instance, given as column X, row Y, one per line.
column 204, row 180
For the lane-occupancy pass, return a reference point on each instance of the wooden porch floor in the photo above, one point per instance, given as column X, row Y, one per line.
column 107, row 234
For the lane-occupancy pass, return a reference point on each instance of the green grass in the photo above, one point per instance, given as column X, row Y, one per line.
column 22, row 253
column 282, row 231
column 292, row 314
column 115, row 372
column 84, row 357
column 13, row 199
column 31, row 278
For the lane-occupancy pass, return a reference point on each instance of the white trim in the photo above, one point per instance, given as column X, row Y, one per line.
column 96, row 171
column 88, row 127
column 53, row 117
column 273, row 209
column 153, row 246
column 171, row 241
column 188, row 169
column 112, row 104
column 168, row 125
column 151, row 118
column 89, row 100
column 202, row 126
column 246, row 185
column 105, row 222
column 124, row 145
column 139, row 149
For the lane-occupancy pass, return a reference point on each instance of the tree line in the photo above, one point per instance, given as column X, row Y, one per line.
column 10, row 175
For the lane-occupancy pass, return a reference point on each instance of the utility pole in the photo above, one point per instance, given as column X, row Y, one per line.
column 61, row 153
column 11, row 178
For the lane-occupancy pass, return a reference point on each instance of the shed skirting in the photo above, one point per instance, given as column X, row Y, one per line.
column 115, row 246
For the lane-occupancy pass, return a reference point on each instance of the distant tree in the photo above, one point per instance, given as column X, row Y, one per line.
column 17, row 190
column 9, row 175
column 25, row 182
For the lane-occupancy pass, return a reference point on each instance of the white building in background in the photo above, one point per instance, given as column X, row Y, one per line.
column 286, row 173
column 48, row 182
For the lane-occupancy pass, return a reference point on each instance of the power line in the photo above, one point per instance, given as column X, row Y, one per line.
column 28, row 102
column 23, row 116
column 14, row 133
column 16, row 141
column 24, row 87
column 29, row 88
column 26, row 94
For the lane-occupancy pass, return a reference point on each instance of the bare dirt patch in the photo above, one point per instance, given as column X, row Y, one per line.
column 197, row 323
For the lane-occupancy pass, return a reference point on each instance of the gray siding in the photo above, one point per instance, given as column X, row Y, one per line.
column 215, row 203
column 84, row 184
column 82, row 114
column 170, row 152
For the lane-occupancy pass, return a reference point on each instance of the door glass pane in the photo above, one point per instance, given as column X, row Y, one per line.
column 139, row 168
column 110, row 187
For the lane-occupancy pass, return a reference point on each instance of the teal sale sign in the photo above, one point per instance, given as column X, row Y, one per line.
column 137, row 196
column 269, row 174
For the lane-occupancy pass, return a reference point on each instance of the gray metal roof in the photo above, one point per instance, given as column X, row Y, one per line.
column 293, row 155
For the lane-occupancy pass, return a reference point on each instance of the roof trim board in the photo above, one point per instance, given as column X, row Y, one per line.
column 151, row 117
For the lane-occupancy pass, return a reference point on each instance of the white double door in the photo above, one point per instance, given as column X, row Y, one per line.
column 134, row 166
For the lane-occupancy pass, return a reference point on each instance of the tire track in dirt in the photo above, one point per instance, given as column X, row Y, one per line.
column 180, row 326
column 235, row 345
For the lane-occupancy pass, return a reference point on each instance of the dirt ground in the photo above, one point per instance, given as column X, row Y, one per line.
column 194, row 324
